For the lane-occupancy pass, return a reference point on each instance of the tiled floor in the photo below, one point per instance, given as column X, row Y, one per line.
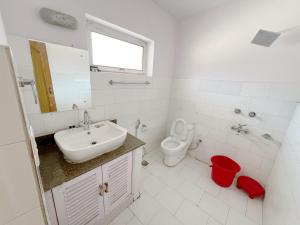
column 186, row 195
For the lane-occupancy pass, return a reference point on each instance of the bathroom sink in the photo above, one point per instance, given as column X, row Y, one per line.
column 79, row 145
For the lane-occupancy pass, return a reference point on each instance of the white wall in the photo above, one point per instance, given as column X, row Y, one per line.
column 126, row 103
column 217, row 69
column 19, row 193
column 282, row 202
column 3, row 38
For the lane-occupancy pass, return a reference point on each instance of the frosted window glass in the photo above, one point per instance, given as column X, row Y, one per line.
column 111, row 52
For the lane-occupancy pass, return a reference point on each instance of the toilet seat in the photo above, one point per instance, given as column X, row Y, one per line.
column 172, row 144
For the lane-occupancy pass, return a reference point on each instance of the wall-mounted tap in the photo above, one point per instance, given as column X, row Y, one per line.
column 240, row 129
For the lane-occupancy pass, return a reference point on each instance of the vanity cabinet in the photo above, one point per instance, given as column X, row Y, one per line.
column 89, row 198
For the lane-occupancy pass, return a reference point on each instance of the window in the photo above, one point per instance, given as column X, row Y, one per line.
column 111, row 52
column 114, row 49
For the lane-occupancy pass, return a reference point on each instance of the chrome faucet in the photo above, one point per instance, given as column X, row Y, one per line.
column 86, row 120
column 240, row 129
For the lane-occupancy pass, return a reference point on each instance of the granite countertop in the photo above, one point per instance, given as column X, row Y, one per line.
column 55, row 170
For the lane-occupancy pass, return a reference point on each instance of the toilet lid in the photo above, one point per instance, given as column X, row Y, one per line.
column 179, row 129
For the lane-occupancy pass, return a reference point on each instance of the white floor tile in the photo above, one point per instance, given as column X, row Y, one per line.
column 164, row 218
column 214, row 207
column 254, row 210
column 235, row 218
column 190, row 192
column 202, row 168
column 145, row 208
column 145, row 174
column 234, row 198
column 157, row 169
column 123, row 218
column 152, row 185
column 190, row 214
column 213, row 222
column 189, row 174
column 172, row 179
column 134, row 221
column 170, row 199
column 154, row 156
column 207, row 184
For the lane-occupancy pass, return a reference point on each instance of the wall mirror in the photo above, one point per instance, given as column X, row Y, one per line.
column 61, row 76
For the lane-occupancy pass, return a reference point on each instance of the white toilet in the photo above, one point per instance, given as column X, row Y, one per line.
column 176, row 145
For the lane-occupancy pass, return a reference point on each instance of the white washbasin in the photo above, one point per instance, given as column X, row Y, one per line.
column 79, row 145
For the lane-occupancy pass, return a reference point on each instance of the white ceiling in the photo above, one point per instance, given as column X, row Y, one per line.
column 185, row 8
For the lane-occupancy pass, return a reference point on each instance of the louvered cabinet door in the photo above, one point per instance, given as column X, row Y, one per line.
column 117, row 177
column 78, row 201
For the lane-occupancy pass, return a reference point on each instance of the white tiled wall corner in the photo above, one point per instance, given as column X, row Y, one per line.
column 11, row 118
column 121, row 102
column 18, row 189
column 210, row 105
column 282, row 202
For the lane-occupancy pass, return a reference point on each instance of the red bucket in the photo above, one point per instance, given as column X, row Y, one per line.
column 224, row 170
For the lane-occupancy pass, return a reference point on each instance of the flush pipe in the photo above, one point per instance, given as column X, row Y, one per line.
column 137, row 126
column 196, row 145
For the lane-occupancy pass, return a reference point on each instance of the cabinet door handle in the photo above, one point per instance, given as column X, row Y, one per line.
column 106, row 187
column 101, row 189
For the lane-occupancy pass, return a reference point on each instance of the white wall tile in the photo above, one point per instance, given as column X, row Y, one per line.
column 255, row 90
column 38, row 124
column 281, row 205
column 102, row 97
column 286, row 92
column 211, row 108
column 60, row 120
column 16, row 180
column 11, row 119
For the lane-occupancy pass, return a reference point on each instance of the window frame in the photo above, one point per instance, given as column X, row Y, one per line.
column 122, row 36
